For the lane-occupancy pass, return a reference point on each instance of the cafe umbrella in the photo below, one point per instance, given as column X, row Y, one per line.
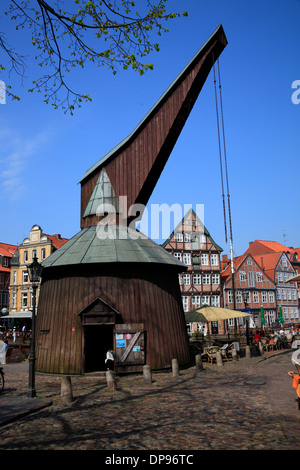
column 207, row 314
column 294, row 278
column 280, row 318
column 262, row 316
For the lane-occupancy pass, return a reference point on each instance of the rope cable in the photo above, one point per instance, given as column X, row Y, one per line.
column 225, row 154
column 220, row 153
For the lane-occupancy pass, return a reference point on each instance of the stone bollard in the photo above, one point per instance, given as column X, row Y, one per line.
column 110, row 380
column 66, row 389
column 198, row 360
column 260, row 348
column 248, row 351
column 234, row 354
column 219, row 359
column 147, row 374
column 175, row 368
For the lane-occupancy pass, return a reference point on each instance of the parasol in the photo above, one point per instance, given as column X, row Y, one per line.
column 208, row 314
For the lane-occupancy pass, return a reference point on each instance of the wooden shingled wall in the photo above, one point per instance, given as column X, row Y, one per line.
column 142, row 295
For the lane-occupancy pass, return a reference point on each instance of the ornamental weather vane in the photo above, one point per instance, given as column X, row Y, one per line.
column 95, row 291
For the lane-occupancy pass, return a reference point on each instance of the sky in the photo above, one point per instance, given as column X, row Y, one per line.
column 44, row 153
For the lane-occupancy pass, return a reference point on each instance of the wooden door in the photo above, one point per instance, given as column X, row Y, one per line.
column 129, row 347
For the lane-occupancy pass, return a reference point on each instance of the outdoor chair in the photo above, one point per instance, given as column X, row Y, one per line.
column 212, row 353
column 235, row 345
column 264, row 343
column 224, row 351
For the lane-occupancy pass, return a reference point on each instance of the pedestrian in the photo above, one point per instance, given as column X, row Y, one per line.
column 3, row 352
column 109, row 359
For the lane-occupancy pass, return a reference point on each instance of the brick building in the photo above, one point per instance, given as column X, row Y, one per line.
column 252, row 280
column 192, row 244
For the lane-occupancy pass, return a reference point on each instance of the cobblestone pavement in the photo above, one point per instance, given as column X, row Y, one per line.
column 244, row 405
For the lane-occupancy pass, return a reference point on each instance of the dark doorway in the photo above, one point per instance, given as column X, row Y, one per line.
column 97, row 340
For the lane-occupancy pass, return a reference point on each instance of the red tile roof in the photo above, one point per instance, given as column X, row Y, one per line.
column 57, row 240
column 266, row 246
column 7, row 250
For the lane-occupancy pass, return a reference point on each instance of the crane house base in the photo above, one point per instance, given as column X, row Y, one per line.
column 133, row 307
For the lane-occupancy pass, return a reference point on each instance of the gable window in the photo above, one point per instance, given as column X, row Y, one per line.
column 205, row 300
column 179, row 237
column 187, row 258
column 204, row 259
column 205, row 279
column 214, row 260
column 243, row 276
column 177, row 256
column 197, row 279
column 271, row 297
column 239, row 298
column 259, row 277
column 215, row 300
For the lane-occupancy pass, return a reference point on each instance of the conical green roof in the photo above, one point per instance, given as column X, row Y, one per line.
column 112, row 244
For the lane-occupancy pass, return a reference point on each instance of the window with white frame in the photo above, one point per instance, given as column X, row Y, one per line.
column 280, row 277
column 24, row 277
column 187, row 237
column 180, row 280
column 196, row 299
column 14, row 277
column 229, row 297
column 259, row 277
column 185, row 303
column 249, row 262
column 264, row 297
column 215, row 300
column 197, row 279
column 205, row 279
column 43, row 253
column 14, row 300
column 204, row 259
column 186, row 279
column 187, row 258
column 283, row 294
column 291, row 309
column 24, row 299
column 271, row 298
column 205, row 300
column 289, row 294
column 202, row 238
column 215, row 278
column 243, row 276
column 214, row 259
column 25, row 255
column 272, row 316
column 239, row 297
column 278, row 294
column 285, row 313
column 179, row 237
column 177, row 256
column 294, row 292
column 284, row 261
column 255, row 297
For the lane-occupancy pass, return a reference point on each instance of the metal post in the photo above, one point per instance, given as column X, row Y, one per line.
column 31, row 393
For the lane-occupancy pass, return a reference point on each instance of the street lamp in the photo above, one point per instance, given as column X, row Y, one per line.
column 245, row 299
column 34, row 273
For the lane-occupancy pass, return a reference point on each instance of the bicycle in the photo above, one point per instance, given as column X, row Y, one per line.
column 1, row 379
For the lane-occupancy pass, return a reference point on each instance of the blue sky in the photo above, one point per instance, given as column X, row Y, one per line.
column 44, row 153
